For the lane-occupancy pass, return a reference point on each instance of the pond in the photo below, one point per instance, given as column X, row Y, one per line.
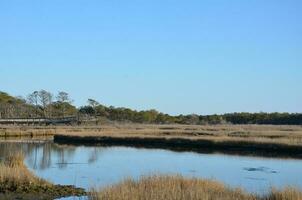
column 100, row 166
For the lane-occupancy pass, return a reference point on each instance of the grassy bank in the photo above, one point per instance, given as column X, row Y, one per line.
column 26, row 131
column 270, row 133
column 179, row 188
column 17, row 182
column 272, row 141
column 262, row 140
column 291, row 135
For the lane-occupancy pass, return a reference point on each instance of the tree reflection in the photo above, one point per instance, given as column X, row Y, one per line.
column 42, row 155
column 94, row 155
column 38, row 154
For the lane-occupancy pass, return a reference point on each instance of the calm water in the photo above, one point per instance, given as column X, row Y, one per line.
column 99, row 166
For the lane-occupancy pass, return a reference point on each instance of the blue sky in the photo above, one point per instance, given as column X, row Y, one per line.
column 210, row 56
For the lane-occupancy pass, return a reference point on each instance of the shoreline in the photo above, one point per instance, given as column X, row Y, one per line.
column 253, row 140
column 185, row 144
column 18, row 182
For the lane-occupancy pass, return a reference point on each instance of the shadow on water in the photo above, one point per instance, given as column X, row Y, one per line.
column 260, row 169
column 204, row 146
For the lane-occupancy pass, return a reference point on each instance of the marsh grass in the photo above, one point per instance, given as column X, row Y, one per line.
column 16, row 181
column 259, row 140
column 271, row 134
column 287, row 193
column 285, row 134
column 26, row 131
column 14, row 160
column 14, row 176
column 253, row 140
column 180, row 188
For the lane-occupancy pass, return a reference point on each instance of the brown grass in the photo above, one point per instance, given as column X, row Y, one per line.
column 271, row 134
column 16, row 182
column 180, row 188
column 26, row 131
column 291, row 135
column 255, row 140
column 13, row 174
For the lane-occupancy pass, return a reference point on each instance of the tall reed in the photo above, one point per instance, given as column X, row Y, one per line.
column 180, row 188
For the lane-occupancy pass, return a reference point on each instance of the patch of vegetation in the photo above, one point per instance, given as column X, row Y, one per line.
column 178, row 188
column 42, row 104
column 17, row 182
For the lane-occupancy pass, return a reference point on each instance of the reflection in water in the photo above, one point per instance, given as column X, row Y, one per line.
column 94, row 155
column 99, row 166
column 39, row 155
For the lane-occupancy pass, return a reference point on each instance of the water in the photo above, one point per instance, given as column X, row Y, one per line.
column 100, row 166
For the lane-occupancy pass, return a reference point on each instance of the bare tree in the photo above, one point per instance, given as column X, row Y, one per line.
column 63, row 98
column 33, row 99
column 45, row 100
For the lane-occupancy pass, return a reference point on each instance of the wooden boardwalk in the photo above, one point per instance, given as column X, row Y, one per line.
column 47, row 121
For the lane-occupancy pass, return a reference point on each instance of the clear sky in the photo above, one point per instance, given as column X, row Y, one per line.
column 193, row 56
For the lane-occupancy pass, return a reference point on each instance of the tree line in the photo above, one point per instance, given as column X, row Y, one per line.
column 39, row 104
column 43, row 104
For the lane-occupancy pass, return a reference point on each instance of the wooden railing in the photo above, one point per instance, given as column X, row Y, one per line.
column 65, row 120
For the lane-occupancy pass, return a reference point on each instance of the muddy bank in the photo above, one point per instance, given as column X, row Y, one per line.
column 45, row 192
column 186, row 144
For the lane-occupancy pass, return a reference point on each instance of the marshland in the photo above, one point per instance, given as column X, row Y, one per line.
column 104, row 170
column 151, row 100
column 17, row 182
column 56, row 150
column 264, row 140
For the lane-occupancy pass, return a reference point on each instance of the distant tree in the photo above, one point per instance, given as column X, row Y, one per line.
column 63, row 99
column 86, row 110
column 101, row 110
column 12, row 107
column 58, row 107
column 21, row 108
column 93, row 103
column 192, row 119
column 33, row 99
column 40, row 103
column 45, row 99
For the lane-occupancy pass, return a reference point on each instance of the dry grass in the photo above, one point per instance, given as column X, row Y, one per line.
column 289, row 135
column 16, row 182
column 25, row 131
column 180, row 188
column 13, row 174
column 288, row 193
